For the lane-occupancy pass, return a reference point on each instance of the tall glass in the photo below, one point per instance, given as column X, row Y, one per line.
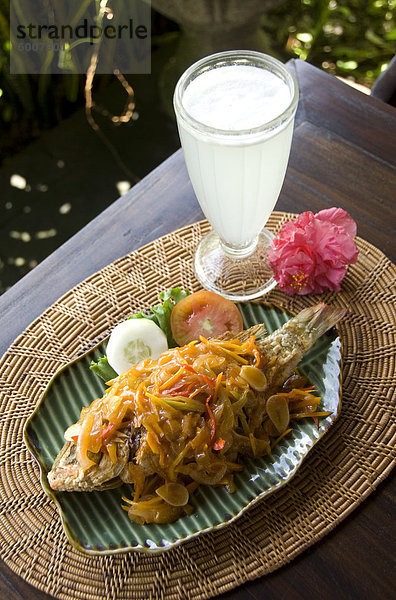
column 236, row 171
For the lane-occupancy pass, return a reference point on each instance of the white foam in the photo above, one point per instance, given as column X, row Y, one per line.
column 236, row 97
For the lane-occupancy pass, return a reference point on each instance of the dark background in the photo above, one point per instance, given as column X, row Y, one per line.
column 57, row 173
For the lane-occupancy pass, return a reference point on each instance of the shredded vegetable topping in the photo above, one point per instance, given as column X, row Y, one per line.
column 190, row 417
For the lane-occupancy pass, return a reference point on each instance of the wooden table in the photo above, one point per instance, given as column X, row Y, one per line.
column 343, row 154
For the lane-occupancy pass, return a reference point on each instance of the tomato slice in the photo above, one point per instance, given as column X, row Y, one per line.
column 204, row 313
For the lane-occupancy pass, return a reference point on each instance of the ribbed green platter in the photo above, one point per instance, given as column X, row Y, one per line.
column 95, row 522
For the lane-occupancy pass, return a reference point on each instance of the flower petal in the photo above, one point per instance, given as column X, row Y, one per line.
column 339, row 217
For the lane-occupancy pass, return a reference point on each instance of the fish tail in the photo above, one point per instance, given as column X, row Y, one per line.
column 288, row 344
column 319, row 318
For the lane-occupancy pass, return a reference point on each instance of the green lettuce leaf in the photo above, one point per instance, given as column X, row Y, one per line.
column 103, row 369
column 161, row 313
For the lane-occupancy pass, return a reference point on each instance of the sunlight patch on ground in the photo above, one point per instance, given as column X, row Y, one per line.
column 45, row 234
column 65, row 208
column 123, row 187
column 18, row 181
column 24, row 236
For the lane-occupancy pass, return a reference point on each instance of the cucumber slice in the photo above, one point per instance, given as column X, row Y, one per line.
column 133, row 340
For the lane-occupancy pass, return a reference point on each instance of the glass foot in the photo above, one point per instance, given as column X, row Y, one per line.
column 234, row 276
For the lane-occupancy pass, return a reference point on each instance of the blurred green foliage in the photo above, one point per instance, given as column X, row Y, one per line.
column 351, row 38
column 354, row 39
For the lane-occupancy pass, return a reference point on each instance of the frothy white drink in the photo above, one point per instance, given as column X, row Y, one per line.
column 236, row 97
column 237, row 176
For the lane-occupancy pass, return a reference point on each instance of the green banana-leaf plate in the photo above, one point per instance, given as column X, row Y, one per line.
column 95, row 522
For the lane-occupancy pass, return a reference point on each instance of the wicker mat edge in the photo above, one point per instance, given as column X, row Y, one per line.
column 340, row 472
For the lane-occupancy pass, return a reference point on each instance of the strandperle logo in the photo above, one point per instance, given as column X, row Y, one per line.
column 59, row 36
column 86, row 30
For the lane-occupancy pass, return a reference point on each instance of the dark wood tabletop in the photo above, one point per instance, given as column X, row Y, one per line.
column 343, row 154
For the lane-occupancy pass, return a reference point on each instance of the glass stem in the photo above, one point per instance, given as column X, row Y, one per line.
column 238, row 251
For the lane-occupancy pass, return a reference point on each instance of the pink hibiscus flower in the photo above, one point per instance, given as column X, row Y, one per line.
column 311, row 254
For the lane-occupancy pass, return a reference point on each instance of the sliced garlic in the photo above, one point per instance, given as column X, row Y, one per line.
column 255, row 378
column 174, row 494
column 278, row 411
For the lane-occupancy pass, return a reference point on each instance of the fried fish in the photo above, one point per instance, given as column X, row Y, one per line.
column 187, row 418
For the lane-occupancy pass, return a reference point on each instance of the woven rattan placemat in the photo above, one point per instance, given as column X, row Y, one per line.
column 341, row 470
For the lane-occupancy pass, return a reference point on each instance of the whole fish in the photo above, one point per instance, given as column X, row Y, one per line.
column 134, row 447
